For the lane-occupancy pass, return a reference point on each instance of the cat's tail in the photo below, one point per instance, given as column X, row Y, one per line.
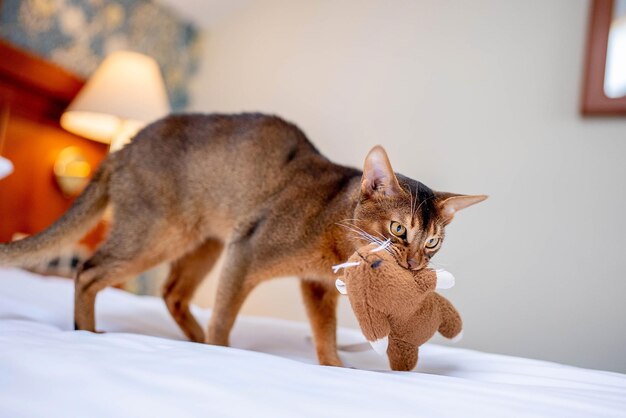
column 451, row 324
column 82, row 216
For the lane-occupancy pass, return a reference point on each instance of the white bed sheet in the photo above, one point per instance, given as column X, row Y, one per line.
column 141, row 368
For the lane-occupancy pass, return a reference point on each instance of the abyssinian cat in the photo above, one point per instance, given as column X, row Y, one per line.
column 191, row 186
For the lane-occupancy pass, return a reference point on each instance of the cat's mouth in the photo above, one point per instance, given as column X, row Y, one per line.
column 402, row 263
column 408, row 263
column 415, row 265
column 399, row 258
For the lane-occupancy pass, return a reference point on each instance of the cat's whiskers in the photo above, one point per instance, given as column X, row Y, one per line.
column 364, row 238
column 361, row 238
column 354, row 220
column 361, row 234
column 346, row 224
column 365, row 235
column 369, row 238
column 384, row 238
column 379, row 240
column 382, row 246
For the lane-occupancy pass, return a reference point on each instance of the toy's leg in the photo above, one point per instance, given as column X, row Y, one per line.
column 402, row 355
column 186, row 274
column 451, row 323
column 320, row 301
column 235, row 284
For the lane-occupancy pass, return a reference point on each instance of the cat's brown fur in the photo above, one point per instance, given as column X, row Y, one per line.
column 189, row 186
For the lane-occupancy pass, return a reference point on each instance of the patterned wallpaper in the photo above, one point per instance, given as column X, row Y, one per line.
column 78, row 34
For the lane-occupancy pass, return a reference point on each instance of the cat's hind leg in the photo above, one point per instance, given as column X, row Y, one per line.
column 186, row 274
column 131, row 247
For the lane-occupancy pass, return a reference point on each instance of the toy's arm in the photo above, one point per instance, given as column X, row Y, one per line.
column 451, row 324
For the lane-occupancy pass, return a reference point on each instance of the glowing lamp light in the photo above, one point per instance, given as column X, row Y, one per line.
column 6, row 167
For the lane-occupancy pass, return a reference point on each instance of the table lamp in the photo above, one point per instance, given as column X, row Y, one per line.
column 124, row 94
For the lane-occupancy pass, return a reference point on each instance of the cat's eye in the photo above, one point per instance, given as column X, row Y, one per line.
column 432, row 243
column 397, row 229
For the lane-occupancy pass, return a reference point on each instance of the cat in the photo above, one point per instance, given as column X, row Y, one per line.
column 190, row 186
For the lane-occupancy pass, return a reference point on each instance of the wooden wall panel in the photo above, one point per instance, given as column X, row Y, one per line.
column 30, row 199
column 36, row 93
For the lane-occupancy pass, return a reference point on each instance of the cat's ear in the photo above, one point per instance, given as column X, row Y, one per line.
column 450, row 203
column 378, row 179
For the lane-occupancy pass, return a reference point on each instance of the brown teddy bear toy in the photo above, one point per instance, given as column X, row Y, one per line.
column 398, row 309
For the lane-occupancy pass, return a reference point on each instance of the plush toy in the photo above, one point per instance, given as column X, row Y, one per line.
column 398, row 309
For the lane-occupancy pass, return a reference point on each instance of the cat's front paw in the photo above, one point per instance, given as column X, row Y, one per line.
column 330, row 360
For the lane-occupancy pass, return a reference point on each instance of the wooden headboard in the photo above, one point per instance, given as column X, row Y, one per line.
column 35, row 92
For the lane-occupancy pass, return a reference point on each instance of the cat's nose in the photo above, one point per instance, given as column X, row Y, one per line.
column 413, row 264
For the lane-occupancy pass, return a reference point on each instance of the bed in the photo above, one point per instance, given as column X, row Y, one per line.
column 141, row 366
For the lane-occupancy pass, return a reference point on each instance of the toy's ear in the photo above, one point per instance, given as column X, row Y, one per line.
column 451, row 203
column 445, row 279
column 378, row 178
column 341, row 287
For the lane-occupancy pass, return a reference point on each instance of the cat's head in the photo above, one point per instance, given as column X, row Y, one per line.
column 405, row 211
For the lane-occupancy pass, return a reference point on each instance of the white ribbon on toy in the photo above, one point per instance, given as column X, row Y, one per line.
column 345, row 265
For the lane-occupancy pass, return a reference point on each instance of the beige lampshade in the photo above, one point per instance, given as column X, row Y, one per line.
column 125, row 93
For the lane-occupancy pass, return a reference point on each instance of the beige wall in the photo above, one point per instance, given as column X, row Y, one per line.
column 471, row 97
